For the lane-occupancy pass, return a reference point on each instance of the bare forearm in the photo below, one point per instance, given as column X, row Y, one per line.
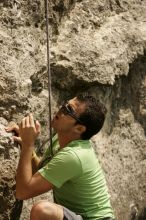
column 24, row 170
column 35, row 160
column 29, row 131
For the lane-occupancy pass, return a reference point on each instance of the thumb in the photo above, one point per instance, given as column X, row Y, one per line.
column 38, row 127
column 17, row 139
column 12, row 126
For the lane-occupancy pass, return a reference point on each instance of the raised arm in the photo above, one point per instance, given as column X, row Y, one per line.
column 13, row 127
column 27, row 184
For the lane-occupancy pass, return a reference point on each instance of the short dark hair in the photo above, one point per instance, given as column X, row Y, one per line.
column 94, row 115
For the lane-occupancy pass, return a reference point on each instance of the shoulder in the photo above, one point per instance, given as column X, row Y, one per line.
column 67, row 156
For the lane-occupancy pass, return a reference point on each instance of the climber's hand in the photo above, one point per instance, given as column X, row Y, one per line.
column 13, row 127
column 29, row 130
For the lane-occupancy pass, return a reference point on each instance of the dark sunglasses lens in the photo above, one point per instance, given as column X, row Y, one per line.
column 64, row 110
column 67, row 110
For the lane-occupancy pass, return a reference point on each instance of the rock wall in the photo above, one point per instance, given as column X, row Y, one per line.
column 99, row 46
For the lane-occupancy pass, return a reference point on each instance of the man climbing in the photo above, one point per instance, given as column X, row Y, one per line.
column 73, row 173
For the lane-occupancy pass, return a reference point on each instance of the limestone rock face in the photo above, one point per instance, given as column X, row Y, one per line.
column 96, row 46
column 8, row 162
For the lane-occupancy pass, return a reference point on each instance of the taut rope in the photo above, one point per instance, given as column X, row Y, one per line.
column 48, row 71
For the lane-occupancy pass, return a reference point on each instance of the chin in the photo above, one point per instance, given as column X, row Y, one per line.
column 53, row 124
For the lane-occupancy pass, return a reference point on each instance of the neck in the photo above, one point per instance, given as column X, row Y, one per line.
column 65, row 139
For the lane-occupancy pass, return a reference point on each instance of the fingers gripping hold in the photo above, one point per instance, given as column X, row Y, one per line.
column 28, row 121
column 12, row 126
column 31, row 120
column 28, row 130
column 38, row 127
column 22, row 124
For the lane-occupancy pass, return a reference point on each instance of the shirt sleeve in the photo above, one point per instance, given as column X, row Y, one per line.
column 64, row 166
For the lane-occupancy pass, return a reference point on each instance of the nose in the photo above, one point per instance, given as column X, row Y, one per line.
column 58, row 113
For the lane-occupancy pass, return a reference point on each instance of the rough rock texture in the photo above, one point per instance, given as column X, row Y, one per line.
column 8, row 162
column 98, row 46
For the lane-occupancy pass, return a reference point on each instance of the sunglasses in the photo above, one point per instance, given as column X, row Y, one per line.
column 66, row 109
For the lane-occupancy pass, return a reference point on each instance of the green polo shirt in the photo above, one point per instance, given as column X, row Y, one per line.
column 78, row 180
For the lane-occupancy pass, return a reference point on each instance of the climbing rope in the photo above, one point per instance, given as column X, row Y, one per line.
column 17, row 207
column 48, row 71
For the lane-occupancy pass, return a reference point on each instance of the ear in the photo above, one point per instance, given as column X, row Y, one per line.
column 79, row 129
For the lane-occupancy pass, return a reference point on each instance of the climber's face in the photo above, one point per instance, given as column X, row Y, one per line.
column 68, row 116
